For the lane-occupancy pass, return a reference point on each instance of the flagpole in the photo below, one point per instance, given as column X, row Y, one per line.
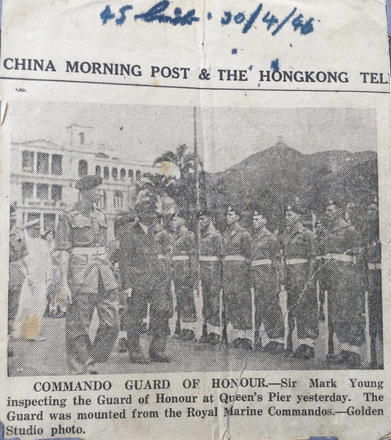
column 197, row 179
column 197, row 223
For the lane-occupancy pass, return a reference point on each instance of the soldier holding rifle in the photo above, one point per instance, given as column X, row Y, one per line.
column 265, row 254
column 373, row 260
column 184, row 271
column 299, row 257
column 345, row 287
column 211, row 251
column 237, row 282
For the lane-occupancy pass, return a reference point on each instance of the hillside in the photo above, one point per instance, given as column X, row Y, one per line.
column 273, row 178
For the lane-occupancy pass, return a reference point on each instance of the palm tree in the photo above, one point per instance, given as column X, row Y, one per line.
column 183, row 160
column 182, row 189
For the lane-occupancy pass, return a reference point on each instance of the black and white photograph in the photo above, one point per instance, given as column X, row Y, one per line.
column 171, row 239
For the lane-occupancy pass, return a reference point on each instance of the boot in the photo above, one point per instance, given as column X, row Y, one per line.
column 157, row 348
column 214, row 338
column 304, row 352
column 136, row 355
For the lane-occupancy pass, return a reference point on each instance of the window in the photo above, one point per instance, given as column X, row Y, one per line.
column 114, row 173
column 82, row 137
column 42, row 191
column 103, row 200
column 43, row 163
column 118, row 199
column 31, row 216
column 123, row 174
column 27, row 190
column 138, row 175
column 130, row 175
column 56, row 193
column 106, row 173
column 98, row 170
column 83, row 168
column 57, row 164
column 49, row 222
column 28, row 161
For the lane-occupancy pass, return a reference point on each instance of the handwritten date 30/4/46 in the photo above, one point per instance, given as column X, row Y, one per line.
column 158, row 13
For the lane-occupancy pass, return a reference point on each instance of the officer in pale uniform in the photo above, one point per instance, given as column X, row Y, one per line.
column 184, row 271
column 265, row 256
column 345, row 286
column 88, row 281
column 237, row 281
column 211, row 252
column 299, row 258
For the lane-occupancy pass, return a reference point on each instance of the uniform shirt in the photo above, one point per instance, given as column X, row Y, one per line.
column 298, row 242
column 237, row 241
column 211, row 242
column 183, row 243
column 341, row 237
column 264, row 246
column 78, row 229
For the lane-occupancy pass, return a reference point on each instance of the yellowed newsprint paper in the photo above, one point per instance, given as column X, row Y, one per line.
column 195, row 231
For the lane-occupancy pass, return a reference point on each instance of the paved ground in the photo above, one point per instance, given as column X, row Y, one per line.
column 49, row 357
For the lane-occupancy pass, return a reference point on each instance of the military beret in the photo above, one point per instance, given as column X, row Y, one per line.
column 235, row 209
column 88, row 182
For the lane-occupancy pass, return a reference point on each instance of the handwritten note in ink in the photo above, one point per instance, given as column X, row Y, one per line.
column 159, row 13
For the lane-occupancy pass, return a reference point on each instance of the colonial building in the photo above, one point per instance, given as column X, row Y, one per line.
column 43, row 177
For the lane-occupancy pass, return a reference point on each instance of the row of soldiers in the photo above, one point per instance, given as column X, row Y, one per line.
column 241, row 277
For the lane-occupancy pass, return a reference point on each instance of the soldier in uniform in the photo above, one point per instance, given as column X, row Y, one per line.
column 321, row 275
column 144, row 262
column 299, row 256
column 265, row 256
column 345, row 287
column 184, row 271
column 88, row 281
column 373, row 260
column 211, row 252
column 237, row 281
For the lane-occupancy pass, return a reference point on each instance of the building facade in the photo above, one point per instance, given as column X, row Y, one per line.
column 43, row 177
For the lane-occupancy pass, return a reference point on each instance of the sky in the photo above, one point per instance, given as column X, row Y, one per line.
column 225, row 135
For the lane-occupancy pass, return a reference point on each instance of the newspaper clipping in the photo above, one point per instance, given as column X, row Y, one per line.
column 195, row 238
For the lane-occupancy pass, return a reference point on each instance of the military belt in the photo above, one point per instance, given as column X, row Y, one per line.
column 209, row 258
column 234, row 258
column 291, row 261
column 341, row 257
column 89, row 250
column 262, row 262
column 180, row 258
column 374, row 266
